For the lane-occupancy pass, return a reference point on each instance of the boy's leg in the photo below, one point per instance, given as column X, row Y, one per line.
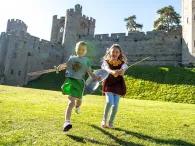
column 109, row 102
column 71, row 104
column 77, row 105
column 114, row 110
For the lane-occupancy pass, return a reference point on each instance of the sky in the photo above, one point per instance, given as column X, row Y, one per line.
column 109, row 14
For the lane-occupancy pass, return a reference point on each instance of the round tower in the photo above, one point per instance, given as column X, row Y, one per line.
column 16, row 26
column 188, row 31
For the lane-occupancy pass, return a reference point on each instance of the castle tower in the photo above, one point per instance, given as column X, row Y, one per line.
column 188, row 30
column 71, row 29
column 76, row 26
column 16, row 27
column 78, row 8
column 57, row 30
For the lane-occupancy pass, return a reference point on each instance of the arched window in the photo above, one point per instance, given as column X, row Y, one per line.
column 19, row 73
column 12, row 72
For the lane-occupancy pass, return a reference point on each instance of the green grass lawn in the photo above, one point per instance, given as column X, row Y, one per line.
column 35, row 117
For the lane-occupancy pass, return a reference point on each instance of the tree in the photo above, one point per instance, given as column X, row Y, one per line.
column 168, row 20
column 132, row 25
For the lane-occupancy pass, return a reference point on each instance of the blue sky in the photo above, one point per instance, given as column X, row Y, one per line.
column 109, row 14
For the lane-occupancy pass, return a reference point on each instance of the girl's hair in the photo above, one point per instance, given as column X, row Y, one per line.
column 79, row 44
column 122, row 56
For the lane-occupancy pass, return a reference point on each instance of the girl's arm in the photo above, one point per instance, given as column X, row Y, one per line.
column 123, row 69
column 106, row 67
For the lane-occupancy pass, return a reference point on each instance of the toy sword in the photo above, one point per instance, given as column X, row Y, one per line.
column 55, row 69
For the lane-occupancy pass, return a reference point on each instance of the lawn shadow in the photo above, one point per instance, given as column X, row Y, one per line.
column 116, row 139
column 83, row 140
column 173, row 142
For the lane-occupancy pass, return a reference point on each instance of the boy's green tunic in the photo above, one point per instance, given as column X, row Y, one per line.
column 74, row 85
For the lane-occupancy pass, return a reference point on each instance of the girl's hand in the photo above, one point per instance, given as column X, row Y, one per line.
column 115, row 73
column 121, row 72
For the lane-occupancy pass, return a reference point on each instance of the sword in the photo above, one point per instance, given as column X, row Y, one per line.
column 55, row 69
column 138, row 62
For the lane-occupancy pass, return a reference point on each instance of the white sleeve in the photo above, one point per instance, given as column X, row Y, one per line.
column 124, row 67
column 105, row 66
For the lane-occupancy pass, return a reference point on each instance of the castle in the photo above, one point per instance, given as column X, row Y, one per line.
column 21, row 52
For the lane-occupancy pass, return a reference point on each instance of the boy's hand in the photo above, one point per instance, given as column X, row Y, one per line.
column 62, row 67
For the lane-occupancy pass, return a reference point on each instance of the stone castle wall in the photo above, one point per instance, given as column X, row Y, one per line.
column 162, row 48
column 23, row 54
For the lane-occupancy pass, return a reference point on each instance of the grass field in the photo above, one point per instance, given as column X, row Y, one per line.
column 35, row 117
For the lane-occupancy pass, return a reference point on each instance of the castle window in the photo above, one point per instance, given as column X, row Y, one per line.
column 12, row 72
column 39, row 49
column 88, row 30
column 194, row 17
column 14, row 55
column 62, row 29
column 16, row 45
column 187, row 20
column 29, row 54
column 135, row 40
column 194, row 43
column 19, row 73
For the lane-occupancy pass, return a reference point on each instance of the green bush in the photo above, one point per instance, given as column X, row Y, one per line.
column 161, row 83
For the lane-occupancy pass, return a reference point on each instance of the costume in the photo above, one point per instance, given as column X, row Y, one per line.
column 114, row 84
column 113, row 87
column 77, row 67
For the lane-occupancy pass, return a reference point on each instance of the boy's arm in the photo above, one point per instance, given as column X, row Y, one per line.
column 91, row 74
column 65, row 65
column 62, row 67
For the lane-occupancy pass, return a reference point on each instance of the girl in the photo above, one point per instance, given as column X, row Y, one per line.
column 114, row 62
column 77, row 67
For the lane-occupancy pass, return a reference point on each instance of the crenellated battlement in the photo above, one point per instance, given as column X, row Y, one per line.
column 16, row 26
column 89, row 19
column 55, row 17
column 132, row 36
column 3, row 34
column 78, row 8
column 17, row 21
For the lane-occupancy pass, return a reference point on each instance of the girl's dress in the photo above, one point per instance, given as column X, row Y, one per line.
column 114, row 84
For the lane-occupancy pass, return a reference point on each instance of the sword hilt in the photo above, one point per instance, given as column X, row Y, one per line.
column 57, row 69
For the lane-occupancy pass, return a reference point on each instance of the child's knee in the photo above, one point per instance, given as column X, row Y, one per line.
column 71, row 103
column 110, row 103
column 115, row 107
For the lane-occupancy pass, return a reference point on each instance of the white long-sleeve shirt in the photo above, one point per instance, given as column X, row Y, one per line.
column 106, row 67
